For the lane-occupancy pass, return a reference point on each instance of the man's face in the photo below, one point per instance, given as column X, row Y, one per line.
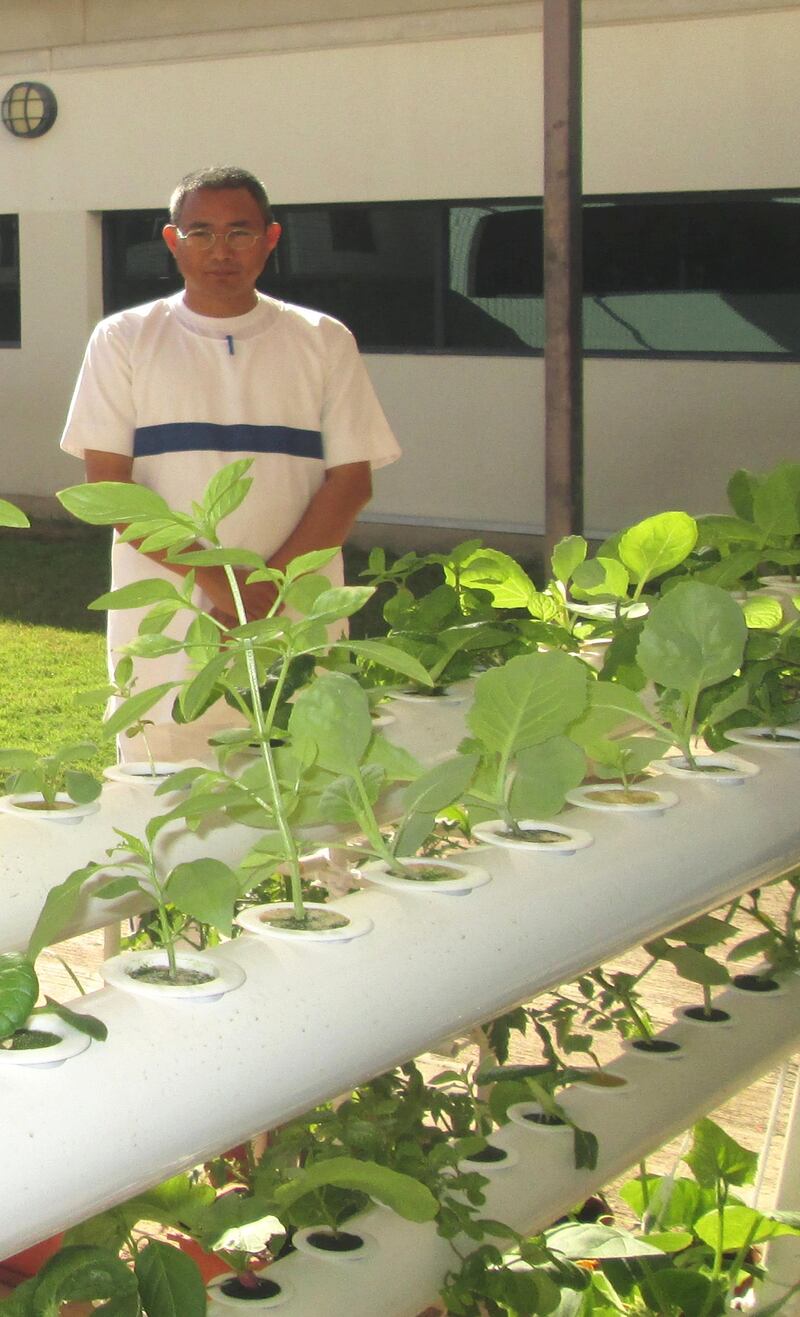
column 220, row 281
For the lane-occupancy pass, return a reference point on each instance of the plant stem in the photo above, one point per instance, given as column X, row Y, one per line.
column 287, row 837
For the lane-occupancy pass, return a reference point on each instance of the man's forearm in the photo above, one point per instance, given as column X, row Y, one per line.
column 329, row 517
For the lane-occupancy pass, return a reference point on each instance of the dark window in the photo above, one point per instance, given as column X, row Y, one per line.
column 10, row 335
column 137, row 265
column 665, row 275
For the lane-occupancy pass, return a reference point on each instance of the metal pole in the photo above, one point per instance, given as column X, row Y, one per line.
column 563, row 271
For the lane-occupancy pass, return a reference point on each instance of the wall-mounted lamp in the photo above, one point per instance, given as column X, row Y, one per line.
column 29, row 109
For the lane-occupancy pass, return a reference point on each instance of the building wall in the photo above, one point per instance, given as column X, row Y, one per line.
column 703, row 103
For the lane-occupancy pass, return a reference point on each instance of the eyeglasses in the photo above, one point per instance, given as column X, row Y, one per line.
column 202, row 240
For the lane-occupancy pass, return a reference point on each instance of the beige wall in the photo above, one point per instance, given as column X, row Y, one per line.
column 703, row 103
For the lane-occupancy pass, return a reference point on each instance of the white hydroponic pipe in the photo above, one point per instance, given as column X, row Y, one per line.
column 662, row 1098
column 36, row 853
column 176, row 1083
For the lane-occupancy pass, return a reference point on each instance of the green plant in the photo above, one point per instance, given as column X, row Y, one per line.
column 685, row 947
column 19, row 983
column 229, row 660
column 450, row 629
column 779, row 943
column 519, row 723
column 161, row 1283
column 202, row 890
column 692, row 1252
column 763, row 530
column 351, row 766
column 47, row 775
column 691, row 642
column 605, row 734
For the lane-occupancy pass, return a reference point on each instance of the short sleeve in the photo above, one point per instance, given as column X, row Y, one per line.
column 354, row 427
column 102, row 414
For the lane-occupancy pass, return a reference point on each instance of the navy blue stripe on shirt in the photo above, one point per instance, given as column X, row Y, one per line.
column 186, row 436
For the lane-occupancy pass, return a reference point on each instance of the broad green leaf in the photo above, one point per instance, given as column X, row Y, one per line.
column 58, row 910
column 81, row 787
column 693, row 638
column 740, row 1225
column 116, row 888
column 657, row 545
column 729, row 571
column 715, row 1156
column 340, row 602
column 440, row 786
column 173, row 537
column 530, row 699
column 676, row 1290
column 17, row 760
column 695, row 967
column 309, row 562
column 108, row 502
column 133, row 709
column 19, row 988
column 170, row 1283
column 741, row 492
column 194, row 697
column 600, row 579
column 670, row 1241
column 148, row 644
column 302, row 594
column 568, row 554
column 174, row 1201
column 397, row 764
column 402, row 1193
column 673, row 1203
column 762, row 613
column 585, row 1148
column 332, row 715
column 715, row 531
column 202, row 640
column 544, row 775
column 498, row 574
column 598, row 1241
column 341, row 802
column 11, row 516
column 703, row 931
column 776, row 502
column 82, row 1273
column 388, row 656
column 138, row 595
column 206, row 890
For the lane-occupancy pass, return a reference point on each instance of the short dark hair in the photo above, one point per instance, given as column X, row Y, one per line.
column 219, row 178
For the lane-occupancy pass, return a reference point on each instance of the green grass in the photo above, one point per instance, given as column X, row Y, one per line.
column 51, row 646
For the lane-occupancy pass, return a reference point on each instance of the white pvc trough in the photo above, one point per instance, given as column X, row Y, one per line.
column 177, row 1083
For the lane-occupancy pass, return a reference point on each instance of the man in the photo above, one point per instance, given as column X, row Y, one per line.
column 171, row 391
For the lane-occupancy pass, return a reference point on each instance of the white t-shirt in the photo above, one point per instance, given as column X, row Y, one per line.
column 185, row 395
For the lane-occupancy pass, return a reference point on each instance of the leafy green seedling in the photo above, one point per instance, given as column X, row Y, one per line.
column 351, row 767
column 19, row 983
column 202, row 890
column 46, row 775
column 693, row 639
column 518, row 723
column 686, row 948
